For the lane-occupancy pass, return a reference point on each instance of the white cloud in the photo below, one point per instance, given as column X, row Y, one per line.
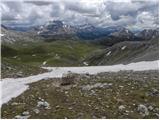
column 98, row 12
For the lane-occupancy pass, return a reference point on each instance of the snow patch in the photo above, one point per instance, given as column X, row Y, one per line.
column 123, row 47
column 13, row 87
column 2, row 34
column 85, row 63
column 127, row 31
column 15, row 56
column 39, row 32
column 108, row 53
column 44, row 63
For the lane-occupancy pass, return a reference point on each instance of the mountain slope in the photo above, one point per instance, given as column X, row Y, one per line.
column 54, row 28
column 125, row 52
column 10, row 36
column 148, row 34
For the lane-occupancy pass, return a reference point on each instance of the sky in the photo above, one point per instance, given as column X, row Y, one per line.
column 133, row 14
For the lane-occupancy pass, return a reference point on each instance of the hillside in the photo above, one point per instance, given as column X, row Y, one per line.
column 35, row 55
column 125, row 52
column 11, row 36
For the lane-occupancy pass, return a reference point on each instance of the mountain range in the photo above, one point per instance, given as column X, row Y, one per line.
column 86, row 31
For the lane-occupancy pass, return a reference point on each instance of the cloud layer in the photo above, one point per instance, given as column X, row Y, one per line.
column 134, row 14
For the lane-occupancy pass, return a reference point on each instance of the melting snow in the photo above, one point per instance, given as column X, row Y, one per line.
column 127, row 31
column 123, row 47
column 2, row 34
column 44, row 63
column 12, row 87
column 15, row 57
column 108, row 53
column 85, row 63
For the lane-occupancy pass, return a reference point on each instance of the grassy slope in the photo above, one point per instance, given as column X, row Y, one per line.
column 57, row 53
column 28, row 57
column 133, row 52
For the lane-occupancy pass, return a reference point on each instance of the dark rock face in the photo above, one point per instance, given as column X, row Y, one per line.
column 148, row 34
column 54, row 28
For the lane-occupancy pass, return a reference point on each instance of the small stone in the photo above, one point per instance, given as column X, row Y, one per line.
column 14, row 103
column 121, row 86
column 127, row 111
column 110, row 84
column 57, row 106
column 143, row 110
column 70, row 108
column 150, row 108
column 94, row 117
column 25, row 113
column 46, row 104
column 157, row 109
column 46, row 78
column 66, row 92
column 21, row 117
column 119, row 100
column 121, row 107
column 19, row 74
column 107, row 106
column 36, row 111
column 87, row 74
column 157, row 114
column 103, row 117
column 126, row 93
column 43, row 104
column 17, row 117
column 79, row 115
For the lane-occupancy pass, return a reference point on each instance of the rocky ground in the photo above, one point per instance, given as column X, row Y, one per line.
column 13, row 71
column 124, row 94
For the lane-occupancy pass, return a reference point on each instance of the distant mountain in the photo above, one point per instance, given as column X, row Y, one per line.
column 147, row 34
column 106, row 36
column 3, row 26
column 11, row 36
column 85, row 31
column 90, row 32
column 119, row 35
column 54, row 28
column 122, row 33
column 17, row 28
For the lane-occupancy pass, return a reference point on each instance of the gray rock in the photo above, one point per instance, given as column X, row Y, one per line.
column 57, row 107
column 46, row 78
column 43, row 104
column 103, row 117
column 36, row 111
column 150, row 108
column 121, row 107
column 157, row 114
column 70, row 108
column 25, row 113
column 14, row 103
column 143, row 110
column 21, row 117
column 97, row 85
column 19, row 74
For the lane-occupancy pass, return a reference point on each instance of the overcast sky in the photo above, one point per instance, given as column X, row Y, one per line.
column 134, row 14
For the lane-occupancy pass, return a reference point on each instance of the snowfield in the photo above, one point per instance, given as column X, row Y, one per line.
column 2, row 34
column 13, row 87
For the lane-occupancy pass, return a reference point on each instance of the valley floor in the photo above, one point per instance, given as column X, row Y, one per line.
column 118, row 91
